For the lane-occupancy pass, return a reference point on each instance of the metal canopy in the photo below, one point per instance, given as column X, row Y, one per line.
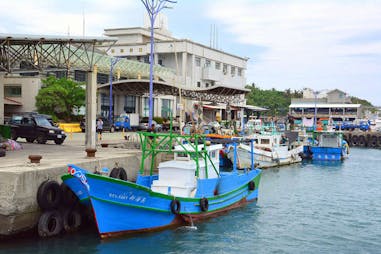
column 20, row 53
column 141, row 87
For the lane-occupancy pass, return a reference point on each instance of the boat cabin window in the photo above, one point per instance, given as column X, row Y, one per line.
column 181, row 156
column 265, row 141
column 212, row 154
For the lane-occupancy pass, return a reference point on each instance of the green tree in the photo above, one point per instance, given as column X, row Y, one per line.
column 60, row 97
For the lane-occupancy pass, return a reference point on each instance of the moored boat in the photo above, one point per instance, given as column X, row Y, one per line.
column 269, row 151
column 184, row 190
column 326, row 146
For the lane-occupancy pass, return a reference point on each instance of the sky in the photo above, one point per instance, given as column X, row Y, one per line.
column 290, row 44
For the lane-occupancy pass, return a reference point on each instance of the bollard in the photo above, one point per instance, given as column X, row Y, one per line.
column 34, row 158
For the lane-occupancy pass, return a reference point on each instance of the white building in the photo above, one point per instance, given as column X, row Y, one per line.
column 198, row 67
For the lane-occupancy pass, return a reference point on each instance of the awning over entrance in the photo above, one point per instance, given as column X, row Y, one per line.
column 8, row 101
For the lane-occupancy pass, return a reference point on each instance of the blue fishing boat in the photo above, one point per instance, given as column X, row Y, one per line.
column 181, row 191
column 326, row 146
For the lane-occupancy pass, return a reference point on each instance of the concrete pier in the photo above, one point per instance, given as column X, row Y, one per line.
column 20, row 179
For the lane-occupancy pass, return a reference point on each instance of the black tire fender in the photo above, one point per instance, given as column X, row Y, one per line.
column 119, row 173
column 362, row 141
column 373, row 141
column 355, row 140
column 50, row 224
column 175, row 206
column 204, row 204
column 72, row 220
column 49, row 195
column 68, row 197
column 251, row 185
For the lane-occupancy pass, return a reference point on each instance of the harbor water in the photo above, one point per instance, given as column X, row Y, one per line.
column 303, row 208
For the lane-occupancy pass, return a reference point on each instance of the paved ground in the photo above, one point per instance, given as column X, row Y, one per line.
column 71, row 151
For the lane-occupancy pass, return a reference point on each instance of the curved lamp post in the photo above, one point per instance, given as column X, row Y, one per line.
column 153, row 8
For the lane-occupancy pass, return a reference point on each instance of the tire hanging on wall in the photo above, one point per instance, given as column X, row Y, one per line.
column 119, row 173
column 68, row 197
column 355, row 140
column 72, row 220
column 373, row 141
column 362, row 141
column 50, row 224
column 49, row 195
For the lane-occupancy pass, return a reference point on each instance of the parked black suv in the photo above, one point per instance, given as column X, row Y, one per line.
column 106, row 124
column 35, row 126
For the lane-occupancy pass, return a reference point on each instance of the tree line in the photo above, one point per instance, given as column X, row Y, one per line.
column 277, row 102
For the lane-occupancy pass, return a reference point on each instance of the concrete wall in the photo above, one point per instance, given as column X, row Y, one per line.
column 19, row 210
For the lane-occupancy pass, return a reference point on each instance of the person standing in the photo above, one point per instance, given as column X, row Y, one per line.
column 99, row 128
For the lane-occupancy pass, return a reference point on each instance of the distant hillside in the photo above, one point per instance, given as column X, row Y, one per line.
column 278, row 101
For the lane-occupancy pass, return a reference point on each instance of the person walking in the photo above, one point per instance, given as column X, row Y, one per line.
column 99, row 128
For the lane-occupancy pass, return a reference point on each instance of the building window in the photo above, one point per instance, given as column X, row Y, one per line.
column 232, row 71
column 198, row 61
column 198, row 84
column 160, row 62
column 218, row 66
column 140, row 50
column 239, row 72
column 79, row 75
column 112, row 51
column 12, row 91
column 131, row 50
column 146, row 59
column 105, row 105
column 129, row 104
column 207, row 85
column 207, row 63
column 225, row 69
column 121, row 50
column 166, row 108
column 146, row 106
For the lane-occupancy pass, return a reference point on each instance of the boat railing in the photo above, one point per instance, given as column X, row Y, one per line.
column 154, row 143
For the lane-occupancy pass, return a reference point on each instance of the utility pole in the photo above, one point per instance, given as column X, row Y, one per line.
column 153, row 8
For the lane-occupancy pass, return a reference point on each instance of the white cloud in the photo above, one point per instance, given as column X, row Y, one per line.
column 57, row 17
column 305, row 41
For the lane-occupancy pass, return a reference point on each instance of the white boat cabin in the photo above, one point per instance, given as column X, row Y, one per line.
column 178, row 177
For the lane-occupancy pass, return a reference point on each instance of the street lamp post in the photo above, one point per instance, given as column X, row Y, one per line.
column 315, row 94
column 153, row 8
column 113, row 62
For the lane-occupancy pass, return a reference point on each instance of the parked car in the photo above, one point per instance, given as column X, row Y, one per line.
column 107, row 126
column 33, row 126
column 143, row 125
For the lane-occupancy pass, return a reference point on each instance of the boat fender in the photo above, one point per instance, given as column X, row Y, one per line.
column 50, row 224
column 119, row 173
column 362, row 141
column 251, row 185
column 355, row 140
column 373, row 141
column 68, row 196
column 175, row 206
column 49, row 195
column 71, row 220
column 204, row 204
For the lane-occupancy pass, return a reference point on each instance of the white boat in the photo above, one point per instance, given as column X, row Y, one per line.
column 269, row 151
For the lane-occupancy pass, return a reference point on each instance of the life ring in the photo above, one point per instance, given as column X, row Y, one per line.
column 251, row 185
column 49, row 195
column 204, row 204
column 373, row 141
column 175, row 206
column 119, row 173
column 362, row 141
column 68, row 196
column 355, row 140
column 71, row 220
column 50, row 224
